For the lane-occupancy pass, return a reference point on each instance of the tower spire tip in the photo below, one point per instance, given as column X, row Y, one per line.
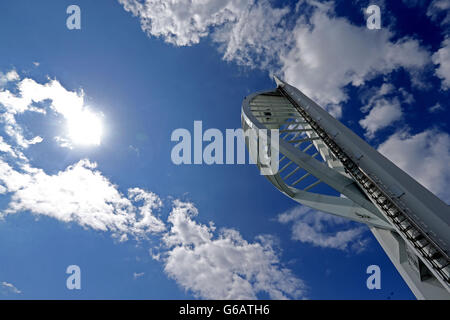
column 278, row 81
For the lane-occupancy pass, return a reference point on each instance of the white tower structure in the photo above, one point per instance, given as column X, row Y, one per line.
column 326, row 166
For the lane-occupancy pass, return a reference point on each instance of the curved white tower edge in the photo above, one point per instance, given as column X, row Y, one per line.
column 326, row 166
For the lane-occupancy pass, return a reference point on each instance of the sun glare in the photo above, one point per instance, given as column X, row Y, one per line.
column 85, row 128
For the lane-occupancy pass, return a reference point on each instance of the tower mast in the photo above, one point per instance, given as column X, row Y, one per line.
column 326, row 166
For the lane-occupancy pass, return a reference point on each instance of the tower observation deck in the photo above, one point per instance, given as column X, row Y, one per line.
column 326, row 166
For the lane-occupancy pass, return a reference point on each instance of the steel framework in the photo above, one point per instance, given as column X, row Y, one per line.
column 356, row 182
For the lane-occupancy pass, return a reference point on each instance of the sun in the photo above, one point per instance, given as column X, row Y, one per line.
column 85, row 128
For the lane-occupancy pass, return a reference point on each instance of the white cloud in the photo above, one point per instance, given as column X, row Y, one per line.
column 83, row 195
column 35, row 140
column 183, row 22
column 224, row 266
column 67, row 103
column 10, row 288
column 137, row 275
column 150, row 202
column 424, row 156
column 436, row 108
column 247, row 31
column 406, row 96
column 313, row 227
column 256, row 37
column 439, row 9
column 64, row 142
column 382, row 110
column 442, row 59
column 6, row 148
column 330, row 53
column 8, row 77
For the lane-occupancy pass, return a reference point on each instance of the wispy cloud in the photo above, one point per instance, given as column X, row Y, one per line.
column 9, row 288
column 442, row 59
column 383, row 108
column 8, row 77
column 439, row 11
column 324, row 230
column 436, row 108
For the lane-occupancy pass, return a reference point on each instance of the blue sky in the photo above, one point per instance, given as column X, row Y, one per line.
column 146, row 80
